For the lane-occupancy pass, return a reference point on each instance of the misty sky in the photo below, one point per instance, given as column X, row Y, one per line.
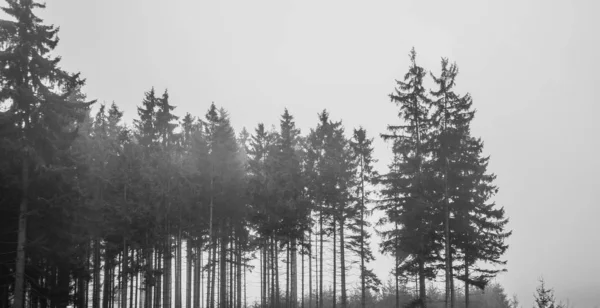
column 531, row 66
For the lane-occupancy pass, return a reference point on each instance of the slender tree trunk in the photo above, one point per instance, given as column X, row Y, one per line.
column 96, row 285
column 343, row 263
column 302, row 261
column 397, row 264
column 160, row 265
column 466, row 284
column 107, row 280
column 239, row 273
column 422, row 290
column 209, row 267
column 223, row 267
column 197, row 261
column 137, row 275
column 188, row 282
column 231, row 270
column 277, row 290
column 19, row 295
column 124, row 273
column 287, row 275
column 310, row 249
column 363, row 291
column 261, row 258
column 320, row 299
column 273, row 273
column 178, row 268
column 131, row 283
column 214, row 272
column 167, row 270
column 334, row 262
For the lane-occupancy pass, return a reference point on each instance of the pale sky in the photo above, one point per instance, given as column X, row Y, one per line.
column 531, row 67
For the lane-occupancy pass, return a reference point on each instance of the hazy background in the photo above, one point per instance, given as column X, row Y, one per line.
column 532, row 68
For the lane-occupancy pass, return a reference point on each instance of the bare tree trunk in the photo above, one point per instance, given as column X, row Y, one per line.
column 239, row 273
column 363, row 291
column 320, row 296
column 159, row 260
column 223, row 267
column 466, row 284
column 302, row 261
column 273, row 262
column 396, row 274
column 343, row 262
column 334, row 263
column 231, row 270
column 310, row 289
column 277, row 290
column 197, row 261
column 167, row 270
column 287, row 275
column 422, row 290
column 124, row 273
column 96, row 285
column 178, row 268
column 107, row 280
column 209, row 268
column 131, row 283
column 261, row 259
column 214, row 273
column 19, row 295
column 188, row 267
column 137, row 275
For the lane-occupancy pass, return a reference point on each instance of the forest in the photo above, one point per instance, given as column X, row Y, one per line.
column 180, row 210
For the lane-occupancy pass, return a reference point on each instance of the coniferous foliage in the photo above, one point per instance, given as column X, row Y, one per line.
column 172, row 212
column 407, row 200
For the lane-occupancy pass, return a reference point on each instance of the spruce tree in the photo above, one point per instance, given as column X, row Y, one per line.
column 451, row 117
column 362, row 154
column 39, row 114
column 406, row 199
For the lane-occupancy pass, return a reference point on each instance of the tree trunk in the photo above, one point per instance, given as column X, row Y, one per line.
column 272, row 261
column 209, row 267
column 262, row 275
column 320, row 296
column 197, row 260
column 466, row 284
column 19, row 295
column 363, row 291
column 96, row 284
column 107, row 280
column 223, row 267
column 239, row 273
column 302, row 273
column 277, row 290
column 214, row 272
column 422, row 290
column 310, row 248
column 167, row 270
column 178, row 268
column 124, row 273
column 159, row 278
column 188, row 282
column 342, row 262
column 131, row 283
column 287, row 275
column 231, row 270
column 334, row 263
column 397, row 263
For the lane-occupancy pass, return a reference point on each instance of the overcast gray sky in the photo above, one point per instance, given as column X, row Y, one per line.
column 531, row 67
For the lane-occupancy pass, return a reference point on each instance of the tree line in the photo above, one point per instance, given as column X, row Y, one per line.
column 99, row 213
